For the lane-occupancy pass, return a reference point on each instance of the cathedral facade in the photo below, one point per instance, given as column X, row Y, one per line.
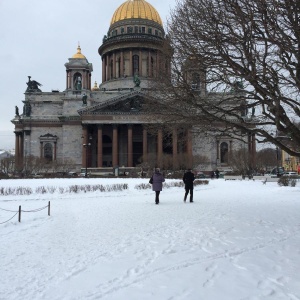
column 105, row 126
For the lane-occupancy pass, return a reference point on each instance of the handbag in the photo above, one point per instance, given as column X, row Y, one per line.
column 151, row 180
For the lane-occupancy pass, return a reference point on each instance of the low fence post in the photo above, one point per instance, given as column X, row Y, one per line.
column 19, row 213
column 49, row 208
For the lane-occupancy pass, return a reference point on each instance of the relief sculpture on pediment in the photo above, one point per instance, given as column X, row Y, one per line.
column 129, row 105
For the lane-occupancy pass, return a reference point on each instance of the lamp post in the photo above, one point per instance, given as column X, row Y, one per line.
column 277, row 159
column 86, row 146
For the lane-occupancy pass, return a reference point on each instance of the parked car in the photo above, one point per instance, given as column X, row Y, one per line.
column 200, row 175
column 290, row 174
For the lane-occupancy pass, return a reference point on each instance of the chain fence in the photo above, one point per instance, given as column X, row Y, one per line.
column 20, row 210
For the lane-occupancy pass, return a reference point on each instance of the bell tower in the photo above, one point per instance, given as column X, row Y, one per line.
column 78, row 73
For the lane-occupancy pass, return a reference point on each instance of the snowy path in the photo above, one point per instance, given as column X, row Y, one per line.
column 239, row 240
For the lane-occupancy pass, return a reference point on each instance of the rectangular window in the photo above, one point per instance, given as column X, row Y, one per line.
column 150, row 30
column 129, row 29
column 143, row 29
column 156, row 32
column 122, row 30
column 136, row 29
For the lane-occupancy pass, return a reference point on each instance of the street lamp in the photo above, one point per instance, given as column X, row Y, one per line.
column 86, row 146
column 277, row 158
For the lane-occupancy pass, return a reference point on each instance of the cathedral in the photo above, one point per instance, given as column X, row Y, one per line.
column 98, row 127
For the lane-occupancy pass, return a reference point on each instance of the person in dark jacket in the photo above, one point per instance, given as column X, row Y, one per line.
column 188, row 179
column 156, row 180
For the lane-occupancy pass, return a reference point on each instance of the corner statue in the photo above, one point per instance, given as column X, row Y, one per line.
column 84, row 99
column 137, row 80
column 32, row 86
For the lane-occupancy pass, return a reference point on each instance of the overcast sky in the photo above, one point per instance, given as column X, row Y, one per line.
column 37, row 38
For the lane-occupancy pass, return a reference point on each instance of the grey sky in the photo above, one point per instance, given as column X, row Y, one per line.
column 37, row 38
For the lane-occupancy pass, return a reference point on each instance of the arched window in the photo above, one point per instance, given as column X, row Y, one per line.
column 48, row 152
column 135, row 64
column 77, row 81
column 224, row 152
column 195, row 81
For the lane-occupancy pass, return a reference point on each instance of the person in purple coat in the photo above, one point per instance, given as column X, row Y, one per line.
column 156, row 180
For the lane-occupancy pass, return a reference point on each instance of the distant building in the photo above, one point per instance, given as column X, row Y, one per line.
column 5, row 154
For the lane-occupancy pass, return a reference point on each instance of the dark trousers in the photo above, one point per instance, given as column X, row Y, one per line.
column 188, row 190
column 157, row 196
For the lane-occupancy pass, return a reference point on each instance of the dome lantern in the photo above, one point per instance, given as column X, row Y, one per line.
column 78, row 54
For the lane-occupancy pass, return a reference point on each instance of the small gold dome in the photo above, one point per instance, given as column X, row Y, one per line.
column 136, row 9
column 95, row 88
column 78, row 54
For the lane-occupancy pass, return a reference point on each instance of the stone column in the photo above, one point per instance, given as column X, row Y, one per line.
column 157, row 64
column 21, row 149
column 250, row 149
column 175, row 148
column 115, row 155
column 67, row 80
column 159, row 146
column 218, row 151
column 253, row 150
column 103, row 70
column 129, row 152
column 149, row 64
column 130, row 64
column 230, row 151
column 55, row 150
column 107, row 68
column 83, row 80
column 122, row 64
column 84, row 141
column 17, row 151
column 41, row 149
column 145, row 145
column 190, row 148
column 100, row 148
column 114, row 65
column 140, row 64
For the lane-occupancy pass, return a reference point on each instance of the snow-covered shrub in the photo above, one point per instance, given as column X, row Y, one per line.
column 287, row 181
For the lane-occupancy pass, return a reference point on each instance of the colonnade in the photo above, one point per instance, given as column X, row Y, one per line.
column 159, row 143
column 113, row 64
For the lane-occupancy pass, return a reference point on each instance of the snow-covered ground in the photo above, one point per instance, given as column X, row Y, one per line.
column 239, row 240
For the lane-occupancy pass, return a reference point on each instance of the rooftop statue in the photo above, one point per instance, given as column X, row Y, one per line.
column 32, row 86
column 17, row 111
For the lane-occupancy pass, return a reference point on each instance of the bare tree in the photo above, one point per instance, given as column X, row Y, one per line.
column 240, row 162
column 267, row 159
column 7, row 165
column 235, row 67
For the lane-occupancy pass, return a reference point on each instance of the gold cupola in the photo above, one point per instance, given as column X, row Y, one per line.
column 78, row 54
column 136, row 9
column 95, row 88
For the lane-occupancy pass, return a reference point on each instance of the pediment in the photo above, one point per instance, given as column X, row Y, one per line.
column 131, row 103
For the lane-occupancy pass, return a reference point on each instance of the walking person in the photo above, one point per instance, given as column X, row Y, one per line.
column 156, row 180
column 188, row 179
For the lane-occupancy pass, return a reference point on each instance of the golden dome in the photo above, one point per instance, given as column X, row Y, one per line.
column 136, row 9
column 78, row 54
column 95, row 88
